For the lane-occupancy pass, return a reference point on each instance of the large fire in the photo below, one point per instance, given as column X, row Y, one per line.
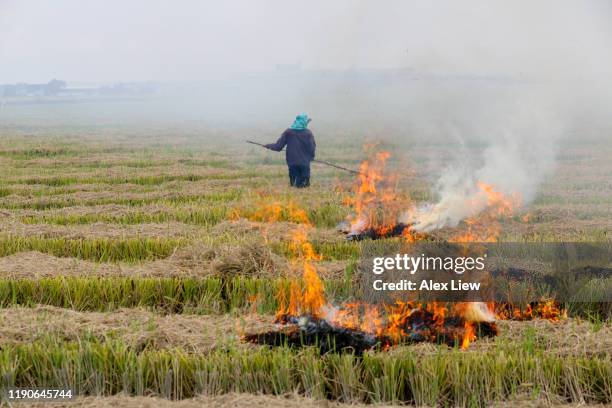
column 377, row 207
column 304, row 305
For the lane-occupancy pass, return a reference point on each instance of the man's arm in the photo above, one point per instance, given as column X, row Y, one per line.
column 279, row 145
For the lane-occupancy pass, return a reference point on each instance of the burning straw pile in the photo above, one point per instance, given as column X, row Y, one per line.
column 379, row 211
column 404, row 323
column 308, row 319
column 305, row 317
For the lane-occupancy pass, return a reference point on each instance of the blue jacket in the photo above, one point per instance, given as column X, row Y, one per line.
column 300, row 146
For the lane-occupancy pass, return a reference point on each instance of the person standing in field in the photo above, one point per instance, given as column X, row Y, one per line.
column 301, row 147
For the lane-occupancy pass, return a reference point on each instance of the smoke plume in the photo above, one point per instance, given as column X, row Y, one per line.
column 521, row 139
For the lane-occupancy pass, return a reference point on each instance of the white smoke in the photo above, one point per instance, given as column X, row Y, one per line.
column 522, row 140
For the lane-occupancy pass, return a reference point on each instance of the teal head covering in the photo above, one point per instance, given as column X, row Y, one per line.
column 301, row 122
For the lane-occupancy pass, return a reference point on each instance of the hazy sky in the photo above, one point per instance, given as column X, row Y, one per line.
column 110, row 40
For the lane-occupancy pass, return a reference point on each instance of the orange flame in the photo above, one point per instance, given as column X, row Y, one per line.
column 469, row 335
column 485, row 226
column 311, row 298
column 546, row 309
column 376, row 203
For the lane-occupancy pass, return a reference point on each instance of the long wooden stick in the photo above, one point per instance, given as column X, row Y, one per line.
column 315, row 160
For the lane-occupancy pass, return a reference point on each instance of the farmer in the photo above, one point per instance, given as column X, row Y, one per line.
column 300, row 150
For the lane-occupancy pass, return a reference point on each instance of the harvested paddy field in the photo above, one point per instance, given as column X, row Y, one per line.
column 131, row 270
column 145, row 329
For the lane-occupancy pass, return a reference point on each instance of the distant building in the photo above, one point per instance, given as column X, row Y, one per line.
column 53, row 87
column 59, row 88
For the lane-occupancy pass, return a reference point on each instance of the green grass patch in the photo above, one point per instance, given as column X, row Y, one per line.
column 575, row 235
column 147, row 180
column 206, row 216
column 139, row 180
column 172, row 295
column 95, row 249
column 64, row 202
column 447, row 378
column 217, row 163
column 26, row 154
column 99, row 164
